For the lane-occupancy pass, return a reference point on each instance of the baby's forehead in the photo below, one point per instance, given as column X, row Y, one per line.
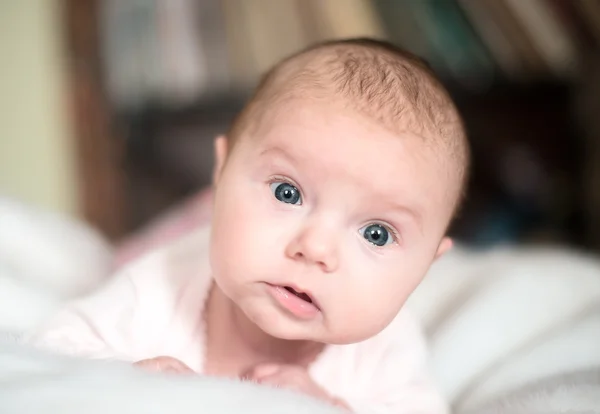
column 367, row 83
column 308, row 128
column 288, row 111
column 312, row 129
column 391, row 88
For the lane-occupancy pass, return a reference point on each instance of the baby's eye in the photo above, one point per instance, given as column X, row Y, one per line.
column 286, row 193
column 377, row 234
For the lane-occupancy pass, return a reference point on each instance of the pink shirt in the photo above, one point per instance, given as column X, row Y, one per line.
column 154, row 306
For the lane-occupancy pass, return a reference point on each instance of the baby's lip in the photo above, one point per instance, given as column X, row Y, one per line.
column 299, row 292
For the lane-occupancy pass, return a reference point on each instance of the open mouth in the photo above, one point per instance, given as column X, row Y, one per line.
column 298, row 303
column 301, row 295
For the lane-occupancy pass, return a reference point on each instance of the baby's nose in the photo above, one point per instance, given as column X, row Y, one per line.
column 317, row 245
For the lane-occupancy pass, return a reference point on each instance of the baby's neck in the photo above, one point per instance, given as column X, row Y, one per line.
column 234, row 340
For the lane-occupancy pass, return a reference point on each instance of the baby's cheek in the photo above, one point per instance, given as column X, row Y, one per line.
column 361, row 320
column 370, row 301
column 243, row 246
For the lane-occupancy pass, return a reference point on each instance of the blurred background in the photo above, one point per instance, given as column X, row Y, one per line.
column 108, row 108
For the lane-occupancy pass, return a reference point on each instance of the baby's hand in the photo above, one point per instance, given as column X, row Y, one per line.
column 164, row 364
column 292, row 377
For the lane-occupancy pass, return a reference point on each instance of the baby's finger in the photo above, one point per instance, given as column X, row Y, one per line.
column 177, row 367
column 148, row 364
column 282, row 380
column 164, row 364
column 262, row 371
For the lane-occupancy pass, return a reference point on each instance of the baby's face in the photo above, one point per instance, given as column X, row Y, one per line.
column 329, row 204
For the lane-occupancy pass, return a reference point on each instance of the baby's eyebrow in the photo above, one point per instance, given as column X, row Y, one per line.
column 412, row 212
column 277, row 151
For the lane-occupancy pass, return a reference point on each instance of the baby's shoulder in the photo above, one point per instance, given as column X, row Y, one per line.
column 172, row 267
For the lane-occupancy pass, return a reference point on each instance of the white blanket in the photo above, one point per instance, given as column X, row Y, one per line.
column 45, row 258
column 509, row 327
column 35, row 383
column 502, row 320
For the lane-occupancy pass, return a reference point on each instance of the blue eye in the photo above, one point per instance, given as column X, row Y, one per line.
column 286, row 193
column 377, row 234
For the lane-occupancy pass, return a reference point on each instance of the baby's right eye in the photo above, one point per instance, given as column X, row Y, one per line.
column 286, row 193
column 377, row 234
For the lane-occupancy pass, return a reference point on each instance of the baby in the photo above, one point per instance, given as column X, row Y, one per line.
column 334, row 189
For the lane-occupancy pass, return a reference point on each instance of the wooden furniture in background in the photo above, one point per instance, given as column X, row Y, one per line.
column 98, row 151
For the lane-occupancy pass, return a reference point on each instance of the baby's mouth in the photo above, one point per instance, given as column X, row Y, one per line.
column 300, row 304
column 301, row 295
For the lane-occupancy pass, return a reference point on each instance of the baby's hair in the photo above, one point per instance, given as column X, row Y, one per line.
column 374, row 77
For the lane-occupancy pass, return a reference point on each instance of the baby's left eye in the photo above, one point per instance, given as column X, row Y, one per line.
column 377, row 234
column 286, row 193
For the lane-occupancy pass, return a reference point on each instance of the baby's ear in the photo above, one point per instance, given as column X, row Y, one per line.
column 445, row 245
column 220, row 151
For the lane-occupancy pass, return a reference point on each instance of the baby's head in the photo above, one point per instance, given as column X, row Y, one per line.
column 339, row 180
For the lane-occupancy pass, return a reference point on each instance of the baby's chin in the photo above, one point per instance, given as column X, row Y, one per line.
column 280, row 327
